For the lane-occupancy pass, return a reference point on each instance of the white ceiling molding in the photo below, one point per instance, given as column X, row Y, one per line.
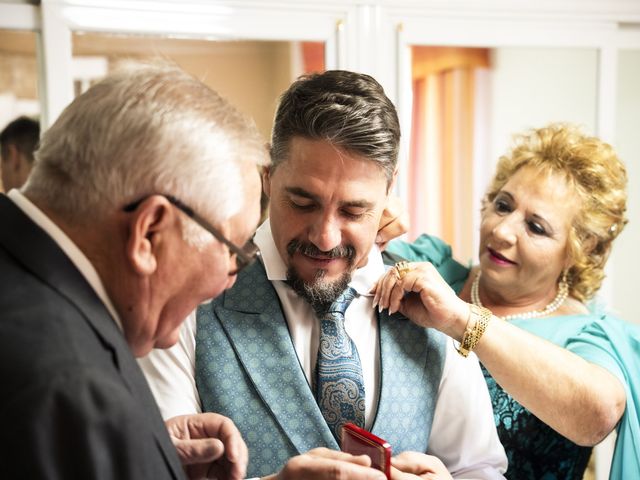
column 622, row 11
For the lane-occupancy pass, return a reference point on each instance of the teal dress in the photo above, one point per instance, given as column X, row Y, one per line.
column 534, row 450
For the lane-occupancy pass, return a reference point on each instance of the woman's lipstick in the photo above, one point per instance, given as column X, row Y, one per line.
column 498, row 258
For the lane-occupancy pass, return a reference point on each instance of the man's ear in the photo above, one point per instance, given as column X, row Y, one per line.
column 13, row 158
column 154, row 217
column 266, row 180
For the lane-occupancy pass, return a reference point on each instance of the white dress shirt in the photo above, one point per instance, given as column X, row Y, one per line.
column 463, row 434
column 72, row 251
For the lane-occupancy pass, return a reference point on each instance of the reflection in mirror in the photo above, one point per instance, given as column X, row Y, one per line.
column 251, row 74
column 467, row 104
column 18, row 80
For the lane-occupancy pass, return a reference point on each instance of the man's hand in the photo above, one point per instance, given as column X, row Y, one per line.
column 325, row 464
column 412, row 465
column 209, row 446
column 393, row 223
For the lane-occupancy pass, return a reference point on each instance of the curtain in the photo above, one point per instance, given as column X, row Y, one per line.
column 441, row 164
column 313, row 57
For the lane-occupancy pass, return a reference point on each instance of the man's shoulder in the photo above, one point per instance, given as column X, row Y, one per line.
column 41, row 329
column 85, row 403
column 25, row 297
column 40, row 340
column 53, row 350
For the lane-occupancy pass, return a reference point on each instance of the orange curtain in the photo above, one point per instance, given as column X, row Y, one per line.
column 313, row 57
column 442, row 141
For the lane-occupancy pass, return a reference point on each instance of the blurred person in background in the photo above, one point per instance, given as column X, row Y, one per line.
column 18, row 141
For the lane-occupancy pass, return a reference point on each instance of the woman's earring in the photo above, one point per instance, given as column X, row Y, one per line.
column 564, row 282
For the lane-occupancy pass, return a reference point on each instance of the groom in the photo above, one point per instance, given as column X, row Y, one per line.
column 265, row 351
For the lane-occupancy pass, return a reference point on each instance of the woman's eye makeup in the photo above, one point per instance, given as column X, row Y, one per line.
column 501, row 205
column 536, row 228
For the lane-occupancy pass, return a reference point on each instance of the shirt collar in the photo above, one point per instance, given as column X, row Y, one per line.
column 72, row 251
column 362, row 279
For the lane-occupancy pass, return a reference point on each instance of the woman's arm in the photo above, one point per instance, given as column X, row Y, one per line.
column 578, row 399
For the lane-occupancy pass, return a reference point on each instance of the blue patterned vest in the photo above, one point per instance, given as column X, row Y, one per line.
column 248, row 370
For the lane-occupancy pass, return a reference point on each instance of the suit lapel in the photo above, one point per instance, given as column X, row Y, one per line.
column 252, row 318
column 38, row 253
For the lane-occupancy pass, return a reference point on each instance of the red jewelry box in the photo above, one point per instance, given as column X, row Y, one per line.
column 358, row 441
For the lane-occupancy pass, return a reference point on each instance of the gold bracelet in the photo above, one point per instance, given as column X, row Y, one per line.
column 476, row 325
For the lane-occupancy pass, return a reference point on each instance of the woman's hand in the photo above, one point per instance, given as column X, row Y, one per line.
column 424, row 297
column 393, row 222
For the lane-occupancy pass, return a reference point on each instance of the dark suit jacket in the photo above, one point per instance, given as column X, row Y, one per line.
column 73, row 402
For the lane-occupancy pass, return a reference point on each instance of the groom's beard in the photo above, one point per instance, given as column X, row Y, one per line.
column 318, row 292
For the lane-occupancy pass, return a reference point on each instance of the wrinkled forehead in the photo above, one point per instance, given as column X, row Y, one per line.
column 541, row 176
column 544, row 192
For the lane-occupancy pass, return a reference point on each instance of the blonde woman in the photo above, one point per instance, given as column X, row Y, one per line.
column 549, row 218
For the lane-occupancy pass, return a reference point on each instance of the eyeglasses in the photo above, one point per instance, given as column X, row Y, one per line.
column 245, row 255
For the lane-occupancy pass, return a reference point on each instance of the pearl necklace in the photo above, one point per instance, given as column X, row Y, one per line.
column 561, row 296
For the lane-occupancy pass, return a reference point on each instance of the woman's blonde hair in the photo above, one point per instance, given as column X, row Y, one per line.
column 599, row 178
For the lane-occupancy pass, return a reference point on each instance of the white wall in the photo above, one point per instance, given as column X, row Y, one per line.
column 625, row 261
column 531, row 87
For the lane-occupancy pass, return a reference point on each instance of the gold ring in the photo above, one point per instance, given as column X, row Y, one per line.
column 402, row 268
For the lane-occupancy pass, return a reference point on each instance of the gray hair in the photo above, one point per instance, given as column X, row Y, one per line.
column 349, row 110
column 146, row 129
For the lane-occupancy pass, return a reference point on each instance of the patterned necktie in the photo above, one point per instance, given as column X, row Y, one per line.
column 339, row 382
